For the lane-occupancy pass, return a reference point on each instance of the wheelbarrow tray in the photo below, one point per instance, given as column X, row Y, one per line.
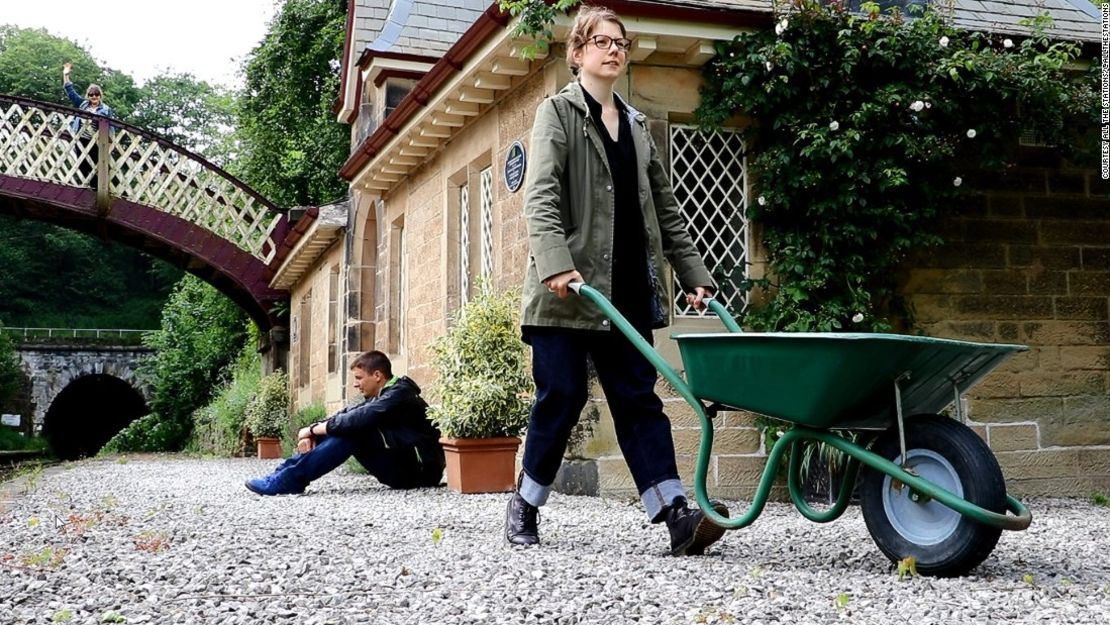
column 834, row 380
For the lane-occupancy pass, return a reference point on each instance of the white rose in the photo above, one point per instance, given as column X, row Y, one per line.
column 769, row 66
column 780, row 28
column 1007, row 43
column 917, row 105
column 944, row 42
column 858, row 317
column 970, row 133
column 834, row 126
column 762, row 201
column 957, row 181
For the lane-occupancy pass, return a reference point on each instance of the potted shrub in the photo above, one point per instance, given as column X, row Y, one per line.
column 484, row 392
column 267, row 414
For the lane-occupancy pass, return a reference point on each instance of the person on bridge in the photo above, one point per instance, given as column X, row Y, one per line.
column 84, row 133
column 600, row 209
column 389, row 433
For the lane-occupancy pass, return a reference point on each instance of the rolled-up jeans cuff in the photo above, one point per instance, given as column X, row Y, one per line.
column 532, row 491
column 661, row 495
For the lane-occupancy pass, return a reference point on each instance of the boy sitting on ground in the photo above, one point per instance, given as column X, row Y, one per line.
column 389, row 434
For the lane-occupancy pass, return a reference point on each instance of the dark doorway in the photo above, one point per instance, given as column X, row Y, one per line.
column 88, row 412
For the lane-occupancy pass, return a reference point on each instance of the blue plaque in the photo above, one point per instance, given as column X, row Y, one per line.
column 515, row 163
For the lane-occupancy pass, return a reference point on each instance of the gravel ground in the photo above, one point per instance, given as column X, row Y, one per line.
column 180, row 540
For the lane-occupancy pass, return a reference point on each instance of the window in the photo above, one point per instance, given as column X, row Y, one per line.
column 304, row 346
column 333, row 319
column 709, row 176
column 486, row 184
column 395, row 91
column 398, row 270
column 470, row 228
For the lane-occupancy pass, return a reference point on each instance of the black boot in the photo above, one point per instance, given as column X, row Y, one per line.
column 522, row 522
column 690, row 531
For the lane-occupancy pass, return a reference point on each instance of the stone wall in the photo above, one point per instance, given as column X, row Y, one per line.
column 1028, row 261
column 317, row 307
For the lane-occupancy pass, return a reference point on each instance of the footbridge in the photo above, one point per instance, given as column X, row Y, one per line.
column 123, row 183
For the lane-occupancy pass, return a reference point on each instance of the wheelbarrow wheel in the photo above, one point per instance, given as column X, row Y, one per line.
column 902, row 523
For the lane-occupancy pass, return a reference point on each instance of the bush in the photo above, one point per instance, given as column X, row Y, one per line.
column 267, row 413
column 301, row 418
column 867, row 125
column 201, row 332
column 220, row 428
column 12, row 440
column 482, row 386
column 9, row 367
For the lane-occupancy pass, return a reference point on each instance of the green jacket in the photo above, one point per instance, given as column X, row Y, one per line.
column 569, row 206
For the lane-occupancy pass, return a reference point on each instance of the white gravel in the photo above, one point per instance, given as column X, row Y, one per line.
column 180, row 540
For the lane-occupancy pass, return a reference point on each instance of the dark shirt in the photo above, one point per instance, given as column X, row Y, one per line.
column 632, row 289
column 398, row 415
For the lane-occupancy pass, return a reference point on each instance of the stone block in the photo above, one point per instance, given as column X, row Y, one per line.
column 1002, row 307
column 1085, row 357
column 1066, row 208
column 980, row 430
column 1016, row 410
column 1094, row 461
column 1058, row 258
column 1041, row 464
column 1050, row 487
column 1066, row 333
column 946, row 281
column 931, row 308
column 998, row 385
column 1095, row 258
column 1018, row 436
column 613, row 477
column 1094, row 233
column 1082, row 308
column 964, row 330
column 1059, row 383
column 577, row 477
column 1090, row 283
column 1009, row 331
column 1005, row 282
column 971, row 254
column 1085, row 420
column 1006, row 206
column 740, row 471
column 1025, row 180
column 1075, row 183
column 1043, row 282
column 1002, row 231
column 726, row 441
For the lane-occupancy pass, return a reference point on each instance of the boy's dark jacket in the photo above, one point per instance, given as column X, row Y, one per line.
column 398, row 415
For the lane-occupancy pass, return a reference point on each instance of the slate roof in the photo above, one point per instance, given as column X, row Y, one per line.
column 431, row 27
column 420, row 27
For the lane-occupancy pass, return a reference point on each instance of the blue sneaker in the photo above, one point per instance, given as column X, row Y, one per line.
column 273, row 485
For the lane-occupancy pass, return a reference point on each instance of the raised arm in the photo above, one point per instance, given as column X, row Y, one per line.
column 71, row 91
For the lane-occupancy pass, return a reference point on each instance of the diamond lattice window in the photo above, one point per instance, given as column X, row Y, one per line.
column 709, row 176
column 486, row 184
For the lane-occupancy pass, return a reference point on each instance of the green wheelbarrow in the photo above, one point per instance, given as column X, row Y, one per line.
column 929, row 489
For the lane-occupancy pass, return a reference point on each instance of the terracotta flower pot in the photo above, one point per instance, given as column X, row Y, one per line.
column 480, row 465
column 268, row 448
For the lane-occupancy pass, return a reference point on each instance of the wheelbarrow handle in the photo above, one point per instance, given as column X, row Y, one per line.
column 710, row 301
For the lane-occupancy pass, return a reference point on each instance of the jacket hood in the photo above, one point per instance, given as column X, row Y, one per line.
column 405, row 382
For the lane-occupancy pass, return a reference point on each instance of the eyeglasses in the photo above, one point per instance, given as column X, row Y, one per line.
column 604, row 42
column 93, row 95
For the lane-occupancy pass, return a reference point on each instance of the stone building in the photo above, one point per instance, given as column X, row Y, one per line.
column 437, row 97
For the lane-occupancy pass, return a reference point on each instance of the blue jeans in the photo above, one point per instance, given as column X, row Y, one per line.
column 396, row 468
column 628, row 379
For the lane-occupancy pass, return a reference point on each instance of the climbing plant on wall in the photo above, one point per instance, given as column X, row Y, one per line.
column 867, row 128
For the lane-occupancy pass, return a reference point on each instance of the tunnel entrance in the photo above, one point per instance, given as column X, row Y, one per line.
column 88, row 412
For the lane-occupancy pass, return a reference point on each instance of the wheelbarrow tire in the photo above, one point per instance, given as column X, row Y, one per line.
column 943, row 542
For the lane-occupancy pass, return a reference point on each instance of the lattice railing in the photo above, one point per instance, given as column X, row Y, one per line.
column 486, row 184
column 708, row 174
column 41, row 141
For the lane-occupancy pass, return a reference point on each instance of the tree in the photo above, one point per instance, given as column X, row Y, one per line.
column 202, row 332
column 292, row 147
column 9, row 367
column 189, row 112
column 31, row 66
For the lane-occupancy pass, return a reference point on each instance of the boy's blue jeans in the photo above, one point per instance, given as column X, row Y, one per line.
column 396, row 468
column 628, row 379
